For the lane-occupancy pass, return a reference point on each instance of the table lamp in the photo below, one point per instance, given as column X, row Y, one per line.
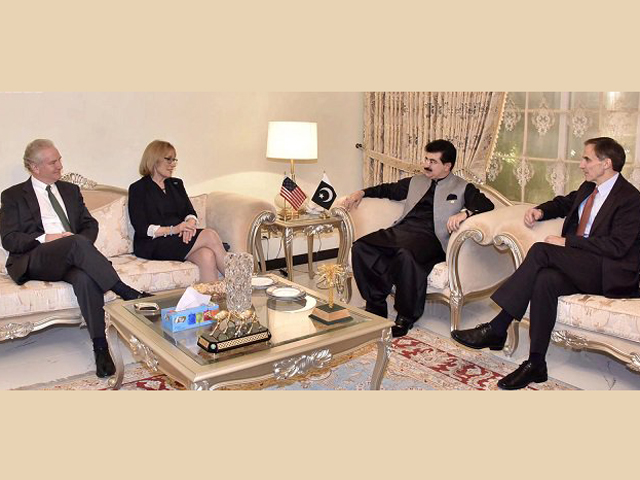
column 293, row 142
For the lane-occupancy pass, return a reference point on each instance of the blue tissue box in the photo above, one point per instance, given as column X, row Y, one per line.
column 190, row 318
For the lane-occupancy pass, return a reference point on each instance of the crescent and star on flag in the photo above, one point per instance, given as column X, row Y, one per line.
column 325, row 194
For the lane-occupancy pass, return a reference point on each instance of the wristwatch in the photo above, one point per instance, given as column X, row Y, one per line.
column 468, row 212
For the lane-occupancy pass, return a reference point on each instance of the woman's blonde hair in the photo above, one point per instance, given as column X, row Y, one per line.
column 155, row 151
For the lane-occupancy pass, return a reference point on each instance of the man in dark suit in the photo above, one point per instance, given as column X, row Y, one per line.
column 437, row 202
column 49, row 234
column 598, row 253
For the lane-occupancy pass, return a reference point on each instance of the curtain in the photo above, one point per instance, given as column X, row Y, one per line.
column 398, row 125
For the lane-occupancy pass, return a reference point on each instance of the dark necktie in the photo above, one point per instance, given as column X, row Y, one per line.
column 432, row 187
column 586, row 213
column 58, row 209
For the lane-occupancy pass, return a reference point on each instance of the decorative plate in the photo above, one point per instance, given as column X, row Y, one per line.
column 260, row 283
column 285, row 293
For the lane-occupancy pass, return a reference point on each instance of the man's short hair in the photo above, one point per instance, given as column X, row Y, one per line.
column 31, row 157
column 606, row 147
column 155, row 151
column 449, row 152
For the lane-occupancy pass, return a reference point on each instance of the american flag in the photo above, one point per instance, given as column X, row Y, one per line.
column 292, row 193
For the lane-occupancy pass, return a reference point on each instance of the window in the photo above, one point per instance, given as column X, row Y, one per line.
column 540, row 141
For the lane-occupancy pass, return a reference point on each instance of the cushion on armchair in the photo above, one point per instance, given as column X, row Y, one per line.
column 617, row 317
column 113, row 234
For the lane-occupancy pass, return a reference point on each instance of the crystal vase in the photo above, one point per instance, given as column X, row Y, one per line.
column 238, row 270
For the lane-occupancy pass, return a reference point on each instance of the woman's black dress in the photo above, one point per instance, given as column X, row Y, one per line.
column 149, row 205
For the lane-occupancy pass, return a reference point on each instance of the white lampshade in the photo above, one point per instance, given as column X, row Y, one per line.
column 293, row 140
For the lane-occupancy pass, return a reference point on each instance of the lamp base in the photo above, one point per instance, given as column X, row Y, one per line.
column 289, row 213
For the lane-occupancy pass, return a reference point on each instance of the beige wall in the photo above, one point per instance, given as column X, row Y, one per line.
column 220, row 137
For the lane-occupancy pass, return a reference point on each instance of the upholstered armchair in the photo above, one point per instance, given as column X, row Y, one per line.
column 583, row 321
column 474, row 266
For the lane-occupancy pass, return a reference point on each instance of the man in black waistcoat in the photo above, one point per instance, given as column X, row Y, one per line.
column 437, row 202
column 49, row 234
column 598, row 253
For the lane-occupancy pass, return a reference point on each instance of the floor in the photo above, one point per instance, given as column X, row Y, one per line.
column 60, row 352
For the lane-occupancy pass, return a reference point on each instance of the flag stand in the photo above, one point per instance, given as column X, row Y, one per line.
column 289, row 213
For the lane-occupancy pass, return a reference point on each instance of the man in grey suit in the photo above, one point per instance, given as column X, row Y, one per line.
column 437, row 202
column 49, row 234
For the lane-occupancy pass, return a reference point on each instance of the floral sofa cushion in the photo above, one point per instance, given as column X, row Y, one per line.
column 619, row 317
column 148, row 275
column 113, row 235
column 200, row 206
column 439, row 277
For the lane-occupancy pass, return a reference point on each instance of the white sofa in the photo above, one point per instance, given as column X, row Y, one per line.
column 36, row 305
column 583, row 321
column 474, row 266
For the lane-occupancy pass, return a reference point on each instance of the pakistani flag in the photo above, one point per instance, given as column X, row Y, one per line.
column 325, row 194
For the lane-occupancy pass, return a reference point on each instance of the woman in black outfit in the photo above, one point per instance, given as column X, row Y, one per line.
column 164, row 220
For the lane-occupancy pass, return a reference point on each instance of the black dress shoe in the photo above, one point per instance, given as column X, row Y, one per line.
column 526, row 373
column 482, row 336
column 145, row 295
column 402, row 326
column 104, row 364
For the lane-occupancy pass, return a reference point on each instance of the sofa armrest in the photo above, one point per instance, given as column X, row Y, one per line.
column 373, row 214
column 510, row 230
column 231, row 214
column 475, row 264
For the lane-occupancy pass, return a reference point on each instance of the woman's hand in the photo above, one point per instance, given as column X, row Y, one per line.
column 186, row 230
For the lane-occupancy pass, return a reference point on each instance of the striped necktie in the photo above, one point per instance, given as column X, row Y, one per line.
column 586, row 213
column 58, row 209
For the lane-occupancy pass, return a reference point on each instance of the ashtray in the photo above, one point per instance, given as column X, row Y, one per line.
column 147, row 308
column 285, row 293
column 260, row 282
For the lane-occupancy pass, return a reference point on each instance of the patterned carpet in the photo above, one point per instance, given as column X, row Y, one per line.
column 420, row 361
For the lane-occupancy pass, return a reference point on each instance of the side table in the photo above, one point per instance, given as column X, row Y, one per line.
column 309, row 225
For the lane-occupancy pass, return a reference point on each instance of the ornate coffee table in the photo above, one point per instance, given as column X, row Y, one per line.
column 298, row 344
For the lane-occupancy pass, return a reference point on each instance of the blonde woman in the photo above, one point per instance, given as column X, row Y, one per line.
column 164, row 219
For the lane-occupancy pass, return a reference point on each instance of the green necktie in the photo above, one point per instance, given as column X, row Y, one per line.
column 59, row 210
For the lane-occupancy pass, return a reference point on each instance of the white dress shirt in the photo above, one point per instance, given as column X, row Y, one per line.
column 50, row 220
column 604, row 189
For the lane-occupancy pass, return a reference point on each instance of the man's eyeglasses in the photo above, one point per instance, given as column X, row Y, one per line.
column 171, row 161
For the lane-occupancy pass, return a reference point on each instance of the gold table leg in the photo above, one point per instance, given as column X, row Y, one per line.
column 310, row 256
column 287, row 239
column 113, row 341
column 382, row 360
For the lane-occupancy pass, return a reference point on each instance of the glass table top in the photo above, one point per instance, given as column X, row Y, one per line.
column 287, row 320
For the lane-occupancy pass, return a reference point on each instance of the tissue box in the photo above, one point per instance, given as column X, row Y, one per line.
column 189, row 318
